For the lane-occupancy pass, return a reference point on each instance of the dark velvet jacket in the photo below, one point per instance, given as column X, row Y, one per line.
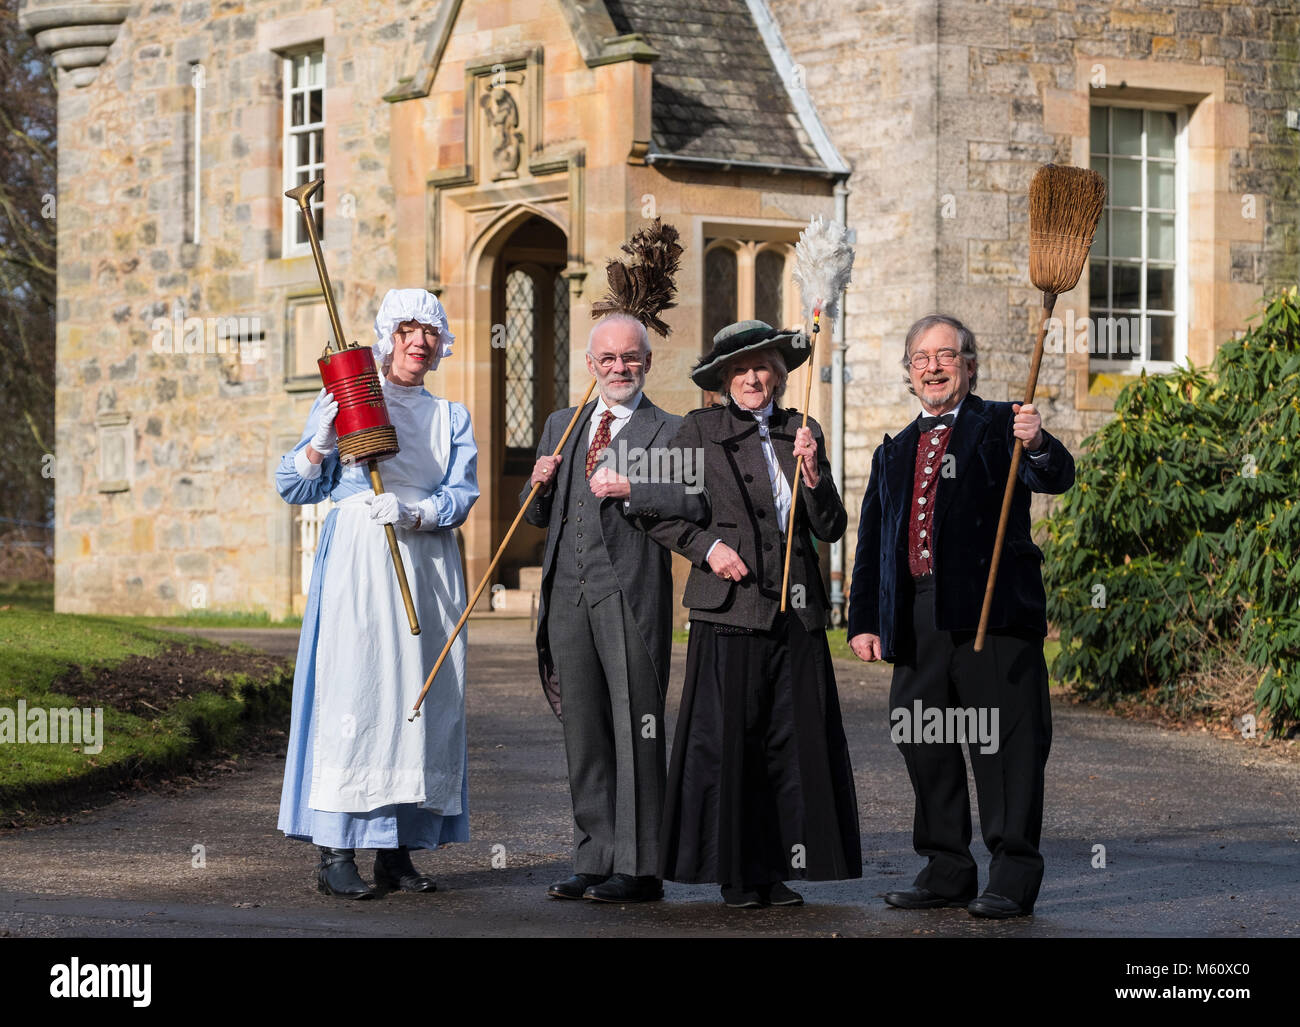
column 965, row 522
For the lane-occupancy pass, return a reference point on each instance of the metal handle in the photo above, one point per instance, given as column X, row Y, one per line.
column 302, row 195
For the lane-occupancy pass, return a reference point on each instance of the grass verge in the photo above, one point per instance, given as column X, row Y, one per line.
column 39, row 595
column 41, row 650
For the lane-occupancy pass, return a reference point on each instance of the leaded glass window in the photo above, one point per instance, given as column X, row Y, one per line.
column 719, row 292
column 520, row 325
column 769, row 280
column 561, row 342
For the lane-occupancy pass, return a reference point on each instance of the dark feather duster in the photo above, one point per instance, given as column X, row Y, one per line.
column 645, row 285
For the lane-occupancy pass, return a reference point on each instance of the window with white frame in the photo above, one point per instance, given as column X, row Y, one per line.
column 1137, row 290
column 304, row 143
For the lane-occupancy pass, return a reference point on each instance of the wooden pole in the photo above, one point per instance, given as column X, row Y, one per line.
column 1049, row 301
column 798, row 466
column 415, row 712
column 377, row 484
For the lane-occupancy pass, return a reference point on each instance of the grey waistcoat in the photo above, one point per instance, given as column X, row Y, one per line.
column 582, row 564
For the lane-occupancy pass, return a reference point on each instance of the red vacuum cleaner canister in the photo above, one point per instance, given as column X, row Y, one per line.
column 365, row 432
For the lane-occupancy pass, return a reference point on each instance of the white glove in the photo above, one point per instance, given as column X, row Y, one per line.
column 388, row 509
column 326, row 438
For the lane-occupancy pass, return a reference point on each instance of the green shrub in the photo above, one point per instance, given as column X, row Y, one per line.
column 1172, row 563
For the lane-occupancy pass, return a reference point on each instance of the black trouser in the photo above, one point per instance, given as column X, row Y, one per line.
column 942, row 670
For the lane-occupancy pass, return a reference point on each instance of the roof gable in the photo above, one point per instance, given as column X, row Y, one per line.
column 721, row 90
column 718, row 94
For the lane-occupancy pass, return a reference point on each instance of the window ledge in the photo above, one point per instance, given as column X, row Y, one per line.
column 1130, row 368
column 290, row 271
column 1104, row 384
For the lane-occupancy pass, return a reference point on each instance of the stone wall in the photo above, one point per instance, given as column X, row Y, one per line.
column 200, row 523
column 871, row 69
column 184, row 514
column 946, row 109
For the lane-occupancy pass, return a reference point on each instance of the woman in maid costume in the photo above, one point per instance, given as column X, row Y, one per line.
column 358, row 775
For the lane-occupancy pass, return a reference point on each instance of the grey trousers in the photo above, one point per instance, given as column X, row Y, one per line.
column 613, row 736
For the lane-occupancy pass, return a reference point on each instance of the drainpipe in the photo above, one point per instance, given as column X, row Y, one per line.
column 197, row 73
column 838, row 348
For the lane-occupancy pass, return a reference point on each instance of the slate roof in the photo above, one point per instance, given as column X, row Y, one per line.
column 716, row 91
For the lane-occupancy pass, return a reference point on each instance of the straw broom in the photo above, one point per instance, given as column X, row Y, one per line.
column 1065, row 204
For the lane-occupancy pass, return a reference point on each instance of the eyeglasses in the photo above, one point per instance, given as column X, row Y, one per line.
column 631, row 362
column 946, row 358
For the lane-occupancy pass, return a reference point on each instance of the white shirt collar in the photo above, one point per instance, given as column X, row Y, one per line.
column 619, row 410
column 762, row 415
column 954, row 411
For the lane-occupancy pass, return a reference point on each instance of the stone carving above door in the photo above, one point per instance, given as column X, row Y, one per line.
column 503, row 135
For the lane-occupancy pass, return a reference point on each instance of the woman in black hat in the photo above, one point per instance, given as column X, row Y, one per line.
column 760, row 789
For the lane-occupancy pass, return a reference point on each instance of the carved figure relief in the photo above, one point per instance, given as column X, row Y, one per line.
column 503, row 119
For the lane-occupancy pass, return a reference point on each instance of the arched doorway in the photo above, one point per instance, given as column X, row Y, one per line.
column 530, row 373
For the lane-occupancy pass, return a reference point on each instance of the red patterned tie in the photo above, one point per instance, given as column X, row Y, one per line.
column 599, row 443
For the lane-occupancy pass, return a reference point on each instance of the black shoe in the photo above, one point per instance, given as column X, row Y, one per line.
column 777, row 894
column 995, row 907
column 573, row 887
column 337, row 875
column 922, row 898
column 394, row 871
column 743, row 898
column 626, row 888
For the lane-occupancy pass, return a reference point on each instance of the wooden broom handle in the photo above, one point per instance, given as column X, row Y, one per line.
column 1049, row 301
column 493, row 565
column 377, row 484
column 798, row 464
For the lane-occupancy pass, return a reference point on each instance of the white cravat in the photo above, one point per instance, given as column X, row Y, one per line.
column 780, row 487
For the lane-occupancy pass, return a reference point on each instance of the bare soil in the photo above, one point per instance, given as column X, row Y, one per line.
column 148, row 685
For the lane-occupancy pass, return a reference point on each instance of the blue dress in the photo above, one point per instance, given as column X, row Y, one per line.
column 387, row 826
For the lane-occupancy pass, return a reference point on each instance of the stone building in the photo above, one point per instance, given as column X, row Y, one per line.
column 498, row 151
column 946, row 108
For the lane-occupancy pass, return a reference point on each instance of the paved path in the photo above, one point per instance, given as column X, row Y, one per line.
column 1202, row 837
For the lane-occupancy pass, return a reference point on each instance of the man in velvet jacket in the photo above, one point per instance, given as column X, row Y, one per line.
column 929, row 518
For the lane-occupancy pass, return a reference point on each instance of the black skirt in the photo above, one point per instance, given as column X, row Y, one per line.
column 760, row 787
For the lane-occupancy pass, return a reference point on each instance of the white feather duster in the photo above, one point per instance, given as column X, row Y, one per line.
column 823, row 266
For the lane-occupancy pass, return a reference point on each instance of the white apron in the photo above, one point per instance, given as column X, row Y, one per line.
column 369, row 667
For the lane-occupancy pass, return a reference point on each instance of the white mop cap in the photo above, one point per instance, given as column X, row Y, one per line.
column 410, row 305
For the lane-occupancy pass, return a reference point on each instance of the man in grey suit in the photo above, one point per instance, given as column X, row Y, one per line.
column 604, row 631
